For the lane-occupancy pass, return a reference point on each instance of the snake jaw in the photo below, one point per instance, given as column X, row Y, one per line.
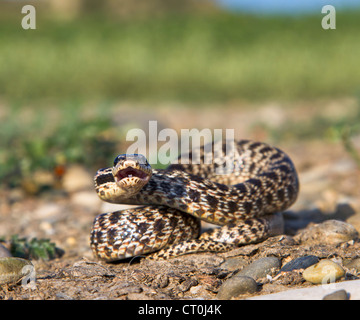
column 130, row 172
column 131, row 175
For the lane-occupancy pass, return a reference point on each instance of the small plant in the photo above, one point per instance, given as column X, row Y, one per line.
column 37, row 249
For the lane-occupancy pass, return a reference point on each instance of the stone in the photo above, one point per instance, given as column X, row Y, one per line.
column 325, row 271
column 300, row 263
column 337, row 295
column 353, row 264
column 261, row 268
column 235, row 286
column 331, row 232
column 14, row 269
column 233, row 264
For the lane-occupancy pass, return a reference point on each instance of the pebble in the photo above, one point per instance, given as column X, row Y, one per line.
column 233, row 264
column 300, row 263
column 12, row 269
column 325, row 271
column 261, row 268
column 63, row 296
column 337, row 295
column 353, row 264
column 235, row 286
column 331, row 232
column 187, row 284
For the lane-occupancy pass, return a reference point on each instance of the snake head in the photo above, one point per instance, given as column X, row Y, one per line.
column 131, row 172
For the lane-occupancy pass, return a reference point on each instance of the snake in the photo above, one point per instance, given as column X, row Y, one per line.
column 240, row 187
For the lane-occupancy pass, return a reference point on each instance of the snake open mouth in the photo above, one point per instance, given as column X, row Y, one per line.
column 130, row 173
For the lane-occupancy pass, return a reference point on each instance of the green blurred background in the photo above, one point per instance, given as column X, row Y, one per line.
column 174, row 50
column 59, row 83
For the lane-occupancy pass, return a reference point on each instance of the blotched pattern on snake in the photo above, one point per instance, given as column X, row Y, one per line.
column 242, row 189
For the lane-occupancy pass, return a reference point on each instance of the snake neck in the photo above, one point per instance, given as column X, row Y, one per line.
column 164, row 188
column 214, row 202
column 172, row 188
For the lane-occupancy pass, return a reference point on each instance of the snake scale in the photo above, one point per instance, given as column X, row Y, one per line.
column 244, row 201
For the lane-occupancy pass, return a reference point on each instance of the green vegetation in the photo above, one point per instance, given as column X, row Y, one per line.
column 34, row 249
column 50, row 75
column 340, row 130
column 209, row 57
column 34, row 139
column 319, row 126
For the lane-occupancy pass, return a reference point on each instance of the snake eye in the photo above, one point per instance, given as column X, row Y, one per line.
column 120, row 157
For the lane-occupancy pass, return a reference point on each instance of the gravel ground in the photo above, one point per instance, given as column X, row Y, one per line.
column 330, row 184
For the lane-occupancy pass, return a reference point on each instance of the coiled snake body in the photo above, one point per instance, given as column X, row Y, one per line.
column 260, row 182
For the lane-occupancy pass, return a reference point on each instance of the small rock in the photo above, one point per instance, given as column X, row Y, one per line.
column 353, row 264
column 13, row 269
column 63, row 296
column 160, row 281
column 261, row 268
column 300, row 263
column 196, row 289
column 232, row 264
column 187, row 284
column 325, row 271
column 331, row 232
column 129, row 289
column 235, row 286
column 200, row 292
column 337, row 295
